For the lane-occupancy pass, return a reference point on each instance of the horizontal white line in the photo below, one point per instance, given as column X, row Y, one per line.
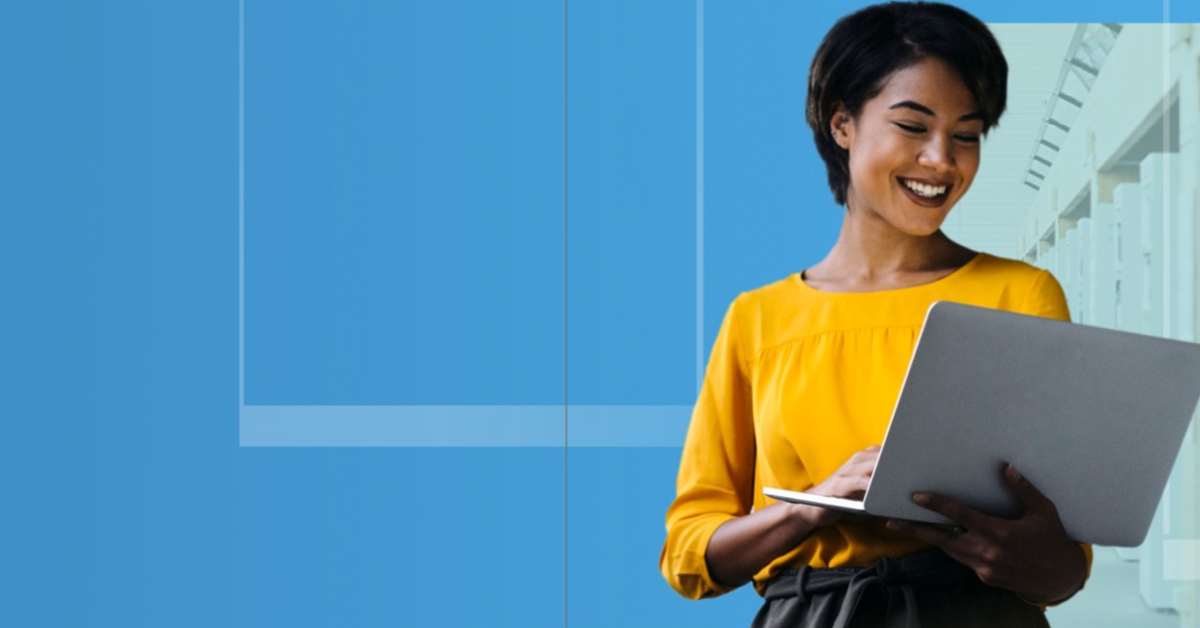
column 463, row 426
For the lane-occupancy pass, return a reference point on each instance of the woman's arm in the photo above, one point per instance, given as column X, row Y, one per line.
column 741, row 547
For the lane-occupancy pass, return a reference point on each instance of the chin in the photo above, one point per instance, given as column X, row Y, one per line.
column 926, row 225
column 923, row 231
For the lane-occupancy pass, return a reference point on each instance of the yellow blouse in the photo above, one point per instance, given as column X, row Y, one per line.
column 798, row 381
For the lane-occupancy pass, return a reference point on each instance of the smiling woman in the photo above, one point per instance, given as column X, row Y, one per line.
column 804, row 372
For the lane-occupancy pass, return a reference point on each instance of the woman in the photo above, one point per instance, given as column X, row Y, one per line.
column 804, row 371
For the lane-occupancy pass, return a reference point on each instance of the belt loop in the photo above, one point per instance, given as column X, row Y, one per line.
column 801, row 583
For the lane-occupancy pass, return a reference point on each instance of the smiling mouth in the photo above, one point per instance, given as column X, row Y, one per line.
column 925, row 195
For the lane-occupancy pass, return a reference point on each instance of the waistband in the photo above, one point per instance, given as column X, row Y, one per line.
column 896, row 576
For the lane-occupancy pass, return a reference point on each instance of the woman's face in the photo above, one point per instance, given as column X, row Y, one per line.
column 923, row 128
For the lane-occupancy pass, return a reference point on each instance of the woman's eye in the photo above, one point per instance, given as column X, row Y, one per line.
column 970, row 139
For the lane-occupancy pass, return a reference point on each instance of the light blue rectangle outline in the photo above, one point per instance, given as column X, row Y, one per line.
column 458, row 426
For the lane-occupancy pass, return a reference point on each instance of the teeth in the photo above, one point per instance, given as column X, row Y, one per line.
column 927, row 191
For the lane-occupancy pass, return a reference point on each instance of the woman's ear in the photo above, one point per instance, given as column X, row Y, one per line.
column 841, row 126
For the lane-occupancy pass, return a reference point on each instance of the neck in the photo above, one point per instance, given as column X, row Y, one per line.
column 870, row 248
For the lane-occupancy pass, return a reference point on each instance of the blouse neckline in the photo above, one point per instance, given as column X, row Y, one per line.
column 936, row 283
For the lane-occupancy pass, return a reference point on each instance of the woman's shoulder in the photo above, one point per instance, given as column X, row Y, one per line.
column 783, row 311
column 1008, row 267
column 779, row 295
column 1010, row 284
column 1013, row 274
column 1030, row 290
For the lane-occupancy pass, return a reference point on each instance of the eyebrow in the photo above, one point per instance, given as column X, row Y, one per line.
column 978, row 115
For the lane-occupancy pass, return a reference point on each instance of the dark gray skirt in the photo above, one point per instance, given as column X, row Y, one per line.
column 927, row 589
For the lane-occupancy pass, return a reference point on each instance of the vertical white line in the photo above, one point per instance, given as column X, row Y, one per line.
column 566, row 314
column 699, row 195
column 1166, row 181
column 241, row 206
column 1167, row 251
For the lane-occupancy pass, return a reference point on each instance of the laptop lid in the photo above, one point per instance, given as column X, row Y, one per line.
column 1093, row 417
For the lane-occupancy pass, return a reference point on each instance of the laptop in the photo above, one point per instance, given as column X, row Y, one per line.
column 1093, row 417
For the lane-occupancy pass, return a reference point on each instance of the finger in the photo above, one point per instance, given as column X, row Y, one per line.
column 867, row 469
column 952, row 510
column 864, row 463
column 854, row 486
column 860, row 470
column 1029, row 495
column 865, row 456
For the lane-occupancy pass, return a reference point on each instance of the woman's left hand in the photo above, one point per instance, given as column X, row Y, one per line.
column 1031, row 555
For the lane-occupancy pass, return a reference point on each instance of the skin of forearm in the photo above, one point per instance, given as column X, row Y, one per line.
column 741, row 547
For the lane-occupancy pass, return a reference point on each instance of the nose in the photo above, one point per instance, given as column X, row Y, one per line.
column 938, row 153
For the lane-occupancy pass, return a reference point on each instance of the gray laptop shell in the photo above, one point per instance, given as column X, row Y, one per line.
column 1093, row 417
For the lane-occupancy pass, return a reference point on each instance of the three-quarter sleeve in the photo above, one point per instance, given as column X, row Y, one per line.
column 716, row 472
column 1046, row 298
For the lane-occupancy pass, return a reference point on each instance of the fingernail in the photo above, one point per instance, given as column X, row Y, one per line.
column 1012, row 473
column 921, row 498
column 892, row 524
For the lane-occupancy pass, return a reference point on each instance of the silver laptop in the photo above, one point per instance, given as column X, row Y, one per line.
column 1093, row 417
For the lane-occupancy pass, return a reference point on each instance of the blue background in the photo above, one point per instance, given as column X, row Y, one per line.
column 406, row 168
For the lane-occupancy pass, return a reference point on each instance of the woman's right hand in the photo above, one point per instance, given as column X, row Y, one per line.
column 742, row 546
column 849, row 481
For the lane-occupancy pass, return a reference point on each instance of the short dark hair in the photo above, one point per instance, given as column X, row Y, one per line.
column 864, row 48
